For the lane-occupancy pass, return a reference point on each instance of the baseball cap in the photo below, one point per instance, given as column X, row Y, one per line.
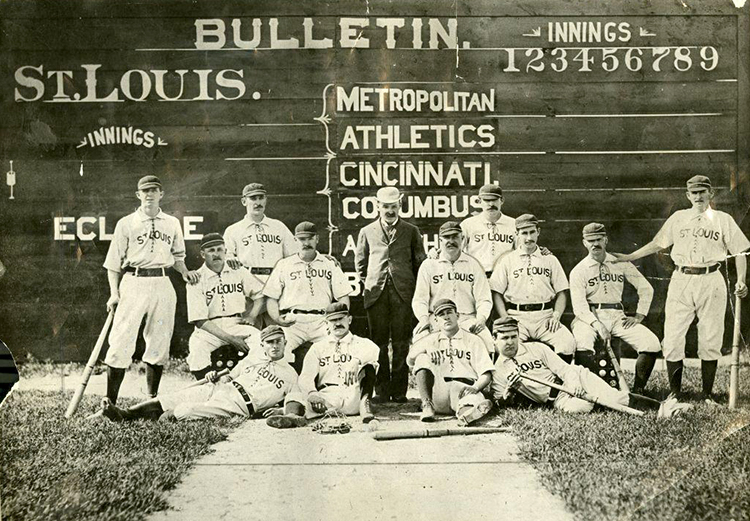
column 253, row 189
column 271, row 331
column 149, row 181
column 449, row 228
column 490, row 191
column 211, row 239
column 305, row 229
column 526, row 220
column 442, row 305
column 594, row 230
column 699, row 181
column 336, row 310
column 504, row 324
column 388, row 194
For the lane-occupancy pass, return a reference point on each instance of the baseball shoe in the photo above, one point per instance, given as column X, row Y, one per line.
column 708, row 399
column 428, row 412
column 680, row 397
column 400, row 399
column 365, row 410
column 110, row 411
column 472, row 413
column 286, row 421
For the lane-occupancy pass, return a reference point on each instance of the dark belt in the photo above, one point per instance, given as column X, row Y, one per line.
column 236, row 315
column 467, row 381
column 554, row 392
column 323, row 386
column 694, row 270
column 246, row 397
column 303, row 311
column 261, row 271
column 529, row 307
column 147, row 272
column 606, row 306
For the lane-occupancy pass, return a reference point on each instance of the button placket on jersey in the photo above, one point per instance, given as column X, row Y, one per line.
column 152, row 236
column 602, row 270
column 260, row 244
column 493, row 231
column 450, row 354
column 694, row 244
column 221, row 294
column 308, row 274
column 337, row 351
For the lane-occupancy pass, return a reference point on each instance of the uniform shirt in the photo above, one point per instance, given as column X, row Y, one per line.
column 463, row 281
column 536, row 360
column 523, row 278
column 464, row 355
column 140, row 241
column 337, row 362
column 307, row 286
column 221, row 294
column 701, row 239
column 267, row 382
column 486, row 241
column 591, row 282
column 259, row 245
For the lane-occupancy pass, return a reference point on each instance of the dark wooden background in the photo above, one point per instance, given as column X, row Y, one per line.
column 52, row 299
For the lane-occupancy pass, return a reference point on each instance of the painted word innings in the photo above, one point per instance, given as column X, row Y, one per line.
column 121, row 136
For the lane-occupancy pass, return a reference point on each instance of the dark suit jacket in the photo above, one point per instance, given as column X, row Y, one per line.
column 376, row 256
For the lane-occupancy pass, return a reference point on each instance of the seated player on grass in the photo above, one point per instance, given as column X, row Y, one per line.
column 260, row 381
column 452, row 367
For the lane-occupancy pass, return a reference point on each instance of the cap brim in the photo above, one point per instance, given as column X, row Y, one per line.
column 593, row 235
column 305, row 235
column 449, row 233
column 489, row 196
column 211, row 243
column 273, row 335
column 337, row 314
column 254, row 192
column 389, row 201
column 439, row 310
column 144, row 186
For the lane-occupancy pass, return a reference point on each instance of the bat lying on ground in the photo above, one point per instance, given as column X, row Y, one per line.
column 437, row 433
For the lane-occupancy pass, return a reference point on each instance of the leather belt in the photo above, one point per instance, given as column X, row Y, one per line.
column 554, row 392
column 695, row 270
column 261, row 271
column 529, row 307
column 467, row 381
column 303, row 311
column 236, row 315
column 147, row 272
column 246, row 397
column 606, row 306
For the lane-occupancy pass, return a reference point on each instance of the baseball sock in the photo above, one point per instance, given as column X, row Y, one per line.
column 586, row 359
column 143, row 410
column 708, row 372
column 644, row 364
column 425, row 381
column 674, row 372
column 367, row 381
column 566, row 358
column 153, row 377
column 114, row 380
column 200, row 374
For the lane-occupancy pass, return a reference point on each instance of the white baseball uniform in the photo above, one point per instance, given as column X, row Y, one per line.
column 536, row 360
column 304, row 290
column 533, row 279
column 259, row 246
column 455, row 362
column 222, row 299
column 698, row 240
column 486, row 241
column 331, row 371
column 141, row 242
column 464, row 282
column 264, row 381
column 595, row 290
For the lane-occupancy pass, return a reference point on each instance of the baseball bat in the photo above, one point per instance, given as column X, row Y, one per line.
column 436, row 433
column 616, row 364
column 156, row 399
column 89, row 367
column 734, row 368
column 588, row 398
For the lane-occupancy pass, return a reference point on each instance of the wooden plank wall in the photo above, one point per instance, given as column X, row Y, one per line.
column 614, row 143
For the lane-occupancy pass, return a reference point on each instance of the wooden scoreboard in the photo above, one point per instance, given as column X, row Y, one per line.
column 581, row 110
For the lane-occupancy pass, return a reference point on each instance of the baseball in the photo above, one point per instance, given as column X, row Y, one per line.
column 373, row 426
column 602, row 363
column 602, row 373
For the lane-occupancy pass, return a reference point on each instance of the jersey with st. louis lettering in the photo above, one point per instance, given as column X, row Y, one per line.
column 140, row 241
column 259, row 246
column 221, row 294
column 308, row 286
column 267, row 382
column 701, row 239
column 463, row 355
column 337, row 362
column 523, row 278
column 486, row 241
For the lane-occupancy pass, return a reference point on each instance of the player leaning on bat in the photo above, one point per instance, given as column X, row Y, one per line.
column 701, row 238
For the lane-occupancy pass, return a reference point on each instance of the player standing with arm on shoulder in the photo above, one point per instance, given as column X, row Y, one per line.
column 700, row 238
column 145, row 244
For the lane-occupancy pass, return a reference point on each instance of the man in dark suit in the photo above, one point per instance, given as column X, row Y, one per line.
column 389, row 252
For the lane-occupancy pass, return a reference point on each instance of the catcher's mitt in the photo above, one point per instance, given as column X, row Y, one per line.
column 671, row 407
column 332, row 422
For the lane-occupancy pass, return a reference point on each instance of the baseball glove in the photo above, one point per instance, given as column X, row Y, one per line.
column 671, row 407
column 332, row 422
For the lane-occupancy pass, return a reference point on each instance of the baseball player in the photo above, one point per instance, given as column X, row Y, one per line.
column 457, row 276
column 452, row 368
column 144, row 246
column 700, row 238
column 8, row 371
column 217, row 306
column 536, row 360
column 300, row 288
column 261, row 380
column 489, row 234
column 530, row 285
column 596, row 285
column 338, row 375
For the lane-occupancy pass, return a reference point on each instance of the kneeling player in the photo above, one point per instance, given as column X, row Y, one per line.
column 338, row 375
column 537, row 360
column 261, row 380
column 452, row 367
